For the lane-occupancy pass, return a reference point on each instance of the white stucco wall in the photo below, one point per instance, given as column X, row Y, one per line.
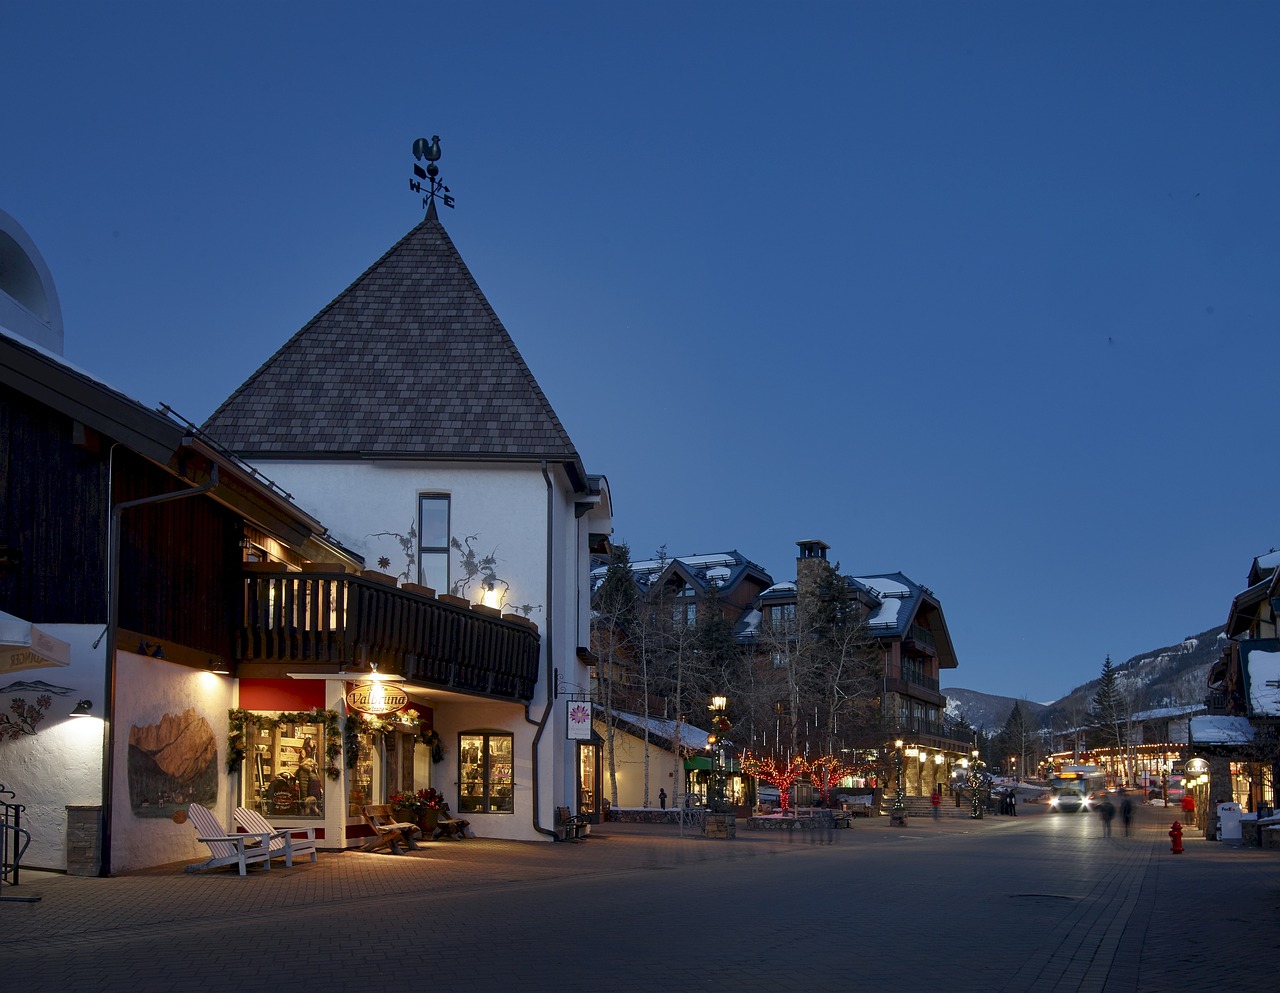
column 146, row 690
column 629, row 763
column 506, row 506
column 61, row 763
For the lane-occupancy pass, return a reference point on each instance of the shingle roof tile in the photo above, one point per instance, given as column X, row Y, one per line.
column 409, row 361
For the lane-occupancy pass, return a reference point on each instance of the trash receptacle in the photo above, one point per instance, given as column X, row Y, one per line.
column 1229, row 822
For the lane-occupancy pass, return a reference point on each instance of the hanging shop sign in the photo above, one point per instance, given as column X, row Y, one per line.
column 1197, row 766
column 25, row 646
column 577, row 720
column 376, row 697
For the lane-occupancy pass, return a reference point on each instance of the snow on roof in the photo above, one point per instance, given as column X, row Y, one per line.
column 886, row 616
column 885, row 587
column 1160, row 712
column 1264, row 683
column 722, row 559
column 1268, row 561
column 1220, row 730
column 690, row 736
column 780, row 588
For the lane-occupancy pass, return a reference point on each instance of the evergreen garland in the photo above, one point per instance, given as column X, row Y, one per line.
column 238, row 734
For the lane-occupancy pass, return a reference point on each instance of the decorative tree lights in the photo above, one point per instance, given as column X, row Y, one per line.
column 827, row 773
column 975, row 787
column 776, row 772
column 898, row 815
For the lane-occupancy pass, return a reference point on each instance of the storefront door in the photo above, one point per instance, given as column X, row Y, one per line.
column 589, row 784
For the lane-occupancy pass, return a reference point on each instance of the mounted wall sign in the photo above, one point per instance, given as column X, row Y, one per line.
column 376, row 698
column 577, row 720
column 1197, row 766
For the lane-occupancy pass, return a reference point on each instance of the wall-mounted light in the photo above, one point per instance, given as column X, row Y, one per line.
column 83, row 709
column 219, row 668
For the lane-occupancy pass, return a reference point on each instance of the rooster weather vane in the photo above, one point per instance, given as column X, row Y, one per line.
column 430, row 151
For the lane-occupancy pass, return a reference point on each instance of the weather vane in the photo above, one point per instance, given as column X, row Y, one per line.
column 429, row 150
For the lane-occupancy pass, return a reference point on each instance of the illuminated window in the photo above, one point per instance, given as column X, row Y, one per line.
column 486, row 780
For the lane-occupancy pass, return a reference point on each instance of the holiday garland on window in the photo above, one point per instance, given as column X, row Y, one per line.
column 238, row 734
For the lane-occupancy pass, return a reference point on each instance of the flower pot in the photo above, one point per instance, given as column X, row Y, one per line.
column 428, row 820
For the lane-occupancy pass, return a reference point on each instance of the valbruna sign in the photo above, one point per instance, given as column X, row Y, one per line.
column 376, row 698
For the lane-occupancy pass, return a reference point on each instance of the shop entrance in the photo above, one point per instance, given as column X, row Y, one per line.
column 589, row 784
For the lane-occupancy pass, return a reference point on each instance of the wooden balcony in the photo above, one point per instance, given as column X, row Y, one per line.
column 327, row 618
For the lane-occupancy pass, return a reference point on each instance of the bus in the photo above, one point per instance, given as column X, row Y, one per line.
column 1073, row 787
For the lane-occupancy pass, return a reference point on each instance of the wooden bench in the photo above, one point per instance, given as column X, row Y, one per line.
column 572, row 826
column 387, row 831
column 448, row 826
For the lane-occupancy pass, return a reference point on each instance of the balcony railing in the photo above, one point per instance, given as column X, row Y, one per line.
column 333, row 617
column 923, row 638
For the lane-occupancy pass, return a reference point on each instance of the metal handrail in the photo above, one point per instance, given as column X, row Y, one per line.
column 11, row 852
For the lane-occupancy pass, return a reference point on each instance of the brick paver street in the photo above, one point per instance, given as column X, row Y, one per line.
column 1040, row 902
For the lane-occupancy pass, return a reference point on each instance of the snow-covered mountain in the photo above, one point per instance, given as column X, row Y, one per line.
column 1165, row 677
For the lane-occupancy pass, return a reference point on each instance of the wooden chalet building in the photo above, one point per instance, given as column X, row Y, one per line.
column 122, row 597
column 1240, row 734
column 905, row 622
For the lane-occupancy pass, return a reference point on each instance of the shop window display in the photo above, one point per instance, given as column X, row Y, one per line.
column 486, row 782
column 364, row 773
column 286, row 779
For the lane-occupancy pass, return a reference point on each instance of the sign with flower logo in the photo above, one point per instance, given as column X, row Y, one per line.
column 578, row 723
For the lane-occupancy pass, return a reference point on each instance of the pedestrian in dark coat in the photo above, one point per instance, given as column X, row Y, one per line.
column 1107, row 811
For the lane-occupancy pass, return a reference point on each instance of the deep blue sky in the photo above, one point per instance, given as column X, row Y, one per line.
column 985, row 293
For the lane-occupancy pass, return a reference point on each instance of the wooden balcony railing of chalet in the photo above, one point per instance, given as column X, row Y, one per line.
column 333, row 617
column 921, row 637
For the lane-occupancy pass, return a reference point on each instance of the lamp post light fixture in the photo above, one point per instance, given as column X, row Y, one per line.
column 717, row 802
column 975, row 785
column 898, row 815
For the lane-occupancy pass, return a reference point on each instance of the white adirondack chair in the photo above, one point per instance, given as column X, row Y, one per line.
column 242, row 850
column 286, row 841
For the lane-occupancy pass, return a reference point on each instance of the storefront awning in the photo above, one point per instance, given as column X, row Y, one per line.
column 25, row 646
column 704, row 762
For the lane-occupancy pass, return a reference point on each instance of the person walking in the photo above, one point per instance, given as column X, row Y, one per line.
column 1126, row 815
column 1107, row 811
column 1013, row 803
column 936, row 800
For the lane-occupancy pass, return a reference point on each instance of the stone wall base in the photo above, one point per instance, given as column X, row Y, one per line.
column 84, row 841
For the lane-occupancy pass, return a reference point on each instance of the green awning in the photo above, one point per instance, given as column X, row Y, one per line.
column 704, row 762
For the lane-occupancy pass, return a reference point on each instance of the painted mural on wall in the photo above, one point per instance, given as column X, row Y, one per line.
column 23, row 717
column 172, row 764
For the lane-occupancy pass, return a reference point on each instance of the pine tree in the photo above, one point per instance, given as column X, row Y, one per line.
column 1109, row 715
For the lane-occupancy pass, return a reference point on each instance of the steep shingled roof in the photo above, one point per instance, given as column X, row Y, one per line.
column 410, row 361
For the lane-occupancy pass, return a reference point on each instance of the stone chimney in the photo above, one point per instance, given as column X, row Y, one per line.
column 810, row 563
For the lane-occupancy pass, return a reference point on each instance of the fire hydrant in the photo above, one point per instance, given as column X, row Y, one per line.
column 1175, row 833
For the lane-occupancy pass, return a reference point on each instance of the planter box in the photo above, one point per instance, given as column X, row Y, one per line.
column 457, row 601
column 380, row 577
column 420, row 590
column 720, row 826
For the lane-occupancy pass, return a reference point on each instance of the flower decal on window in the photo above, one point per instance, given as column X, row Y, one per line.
column 578, row 714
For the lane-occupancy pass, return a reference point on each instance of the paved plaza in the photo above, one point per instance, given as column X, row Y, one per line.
column 1040, row 902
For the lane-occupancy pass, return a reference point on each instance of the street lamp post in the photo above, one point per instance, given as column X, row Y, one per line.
column 898, row 815
column 716, row 802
